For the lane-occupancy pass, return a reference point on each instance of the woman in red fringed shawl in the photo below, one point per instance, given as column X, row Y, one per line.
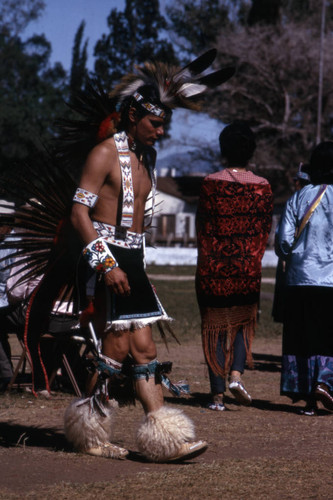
column 233, row 224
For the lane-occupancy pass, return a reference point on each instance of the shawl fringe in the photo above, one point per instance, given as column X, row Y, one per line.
column 227, row 322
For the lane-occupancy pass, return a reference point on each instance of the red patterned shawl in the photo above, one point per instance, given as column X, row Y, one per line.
column 233, row 224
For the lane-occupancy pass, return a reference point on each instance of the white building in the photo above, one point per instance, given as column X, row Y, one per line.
column 176, row 204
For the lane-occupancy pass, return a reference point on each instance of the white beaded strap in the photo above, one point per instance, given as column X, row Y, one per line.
column 99, row 256
column 121, row 143
column 150, row 205
column 153, row 177
column 85, row 197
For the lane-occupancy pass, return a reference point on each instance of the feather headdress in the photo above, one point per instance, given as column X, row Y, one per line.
column 101, row 113
column 175, row 85
column 43, row 245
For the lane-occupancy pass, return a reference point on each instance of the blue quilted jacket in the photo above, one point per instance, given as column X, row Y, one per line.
column 309, row 259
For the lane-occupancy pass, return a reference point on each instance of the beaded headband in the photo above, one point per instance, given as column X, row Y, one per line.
column 152, row 108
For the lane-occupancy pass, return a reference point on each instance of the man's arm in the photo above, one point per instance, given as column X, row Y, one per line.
column 95, row 173
column 93, row 177
column 285, row 231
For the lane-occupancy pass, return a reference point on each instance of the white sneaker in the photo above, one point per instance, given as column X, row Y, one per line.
column 216, row 406
column 241, row 395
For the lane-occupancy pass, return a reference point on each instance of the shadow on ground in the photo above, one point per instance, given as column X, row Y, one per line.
column 202, row 400
column 267, row 362
column 12, row 435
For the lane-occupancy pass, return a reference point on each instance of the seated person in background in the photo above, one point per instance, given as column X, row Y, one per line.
column 60, row 326
column 6, row 369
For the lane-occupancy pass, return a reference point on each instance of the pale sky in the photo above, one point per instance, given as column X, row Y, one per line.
column 61, row 19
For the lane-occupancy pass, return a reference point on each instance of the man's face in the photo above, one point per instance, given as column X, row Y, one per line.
column 149, row 129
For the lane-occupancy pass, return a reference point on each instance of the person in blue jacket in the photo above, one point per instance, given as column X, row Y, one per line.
column 304, row 239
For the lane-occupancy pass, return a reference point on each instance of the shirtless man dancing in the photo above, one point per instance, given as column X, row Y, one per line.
column 108, row 213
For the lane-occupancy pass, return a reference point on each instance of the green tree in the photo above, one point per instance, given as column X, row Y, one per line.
column 307, row 11
column 263, row 12
column 280, row 12
column 135, row 35
column 197, row 23
column 31, row 90
column 78, row 74
column 15, row 15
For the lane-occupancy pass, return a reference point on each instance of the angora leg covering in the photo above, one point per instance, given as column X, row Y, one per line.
column 163, row 432
column 86, row 427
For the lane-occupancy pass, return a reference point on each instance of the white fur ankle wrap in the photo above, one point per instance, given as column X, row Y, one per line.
column 85, row 426
column 162, row 433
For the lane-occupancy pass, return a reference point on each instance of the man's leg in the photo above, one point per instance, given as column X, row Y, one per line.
column 236, row 385
column 217, row 382
column 166, row 434
column 143, row 350
column 89, row 422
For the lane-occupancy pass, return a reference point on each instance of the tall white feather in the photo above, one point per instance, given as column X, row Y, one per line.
column 131, row 88
column 191, row 89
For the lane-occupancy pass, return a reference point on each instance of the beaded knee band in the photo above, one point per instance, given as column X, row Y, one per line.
column 145, row 371
column 108, row 365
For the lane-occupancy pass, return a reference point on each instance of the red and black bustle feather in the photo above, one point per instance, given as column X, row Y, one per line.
column 43, row 244
column 97, row 119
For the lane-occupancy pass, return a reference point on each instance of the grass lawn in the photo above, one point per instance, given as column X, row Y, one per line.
column 179, row 299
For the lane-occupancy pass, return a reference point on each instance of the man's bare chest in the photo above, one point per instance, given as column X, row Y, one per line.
column 141, row 180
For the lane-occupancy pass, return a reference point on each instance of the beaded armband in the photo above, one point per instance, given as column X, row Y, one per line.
column 85, row 197
column 99, row 256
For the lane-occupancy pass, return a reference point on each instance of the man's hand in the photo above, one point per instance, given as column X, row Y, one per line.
column 117, row 281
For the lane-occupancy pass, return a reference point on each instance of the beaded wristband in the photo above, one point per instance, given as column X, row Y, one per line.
column 85, row 197
column 99, row 256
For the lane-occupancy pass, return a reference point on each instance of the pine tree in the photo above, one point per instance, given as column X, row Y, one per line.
column 135, row 35
column 197, row 23
column 31, row 90
column 78, row 74
column 263, row 12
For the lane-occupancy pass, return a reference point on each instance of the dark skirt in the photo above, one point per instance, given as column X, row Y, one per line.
column 142, row 306
column 307, row 348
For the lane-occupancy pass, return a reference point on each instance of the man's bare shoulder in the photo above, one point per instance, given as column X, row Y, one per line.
column 103, row 156
column 104, row 149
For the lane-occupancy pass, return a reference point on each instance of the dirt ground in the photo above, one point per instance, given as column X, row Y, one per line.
column 266, row 450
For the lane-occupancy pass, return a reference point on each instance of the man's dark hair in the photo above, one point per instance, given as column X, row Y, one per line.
column 321, row 164
column 237, row 143
column 150, row 95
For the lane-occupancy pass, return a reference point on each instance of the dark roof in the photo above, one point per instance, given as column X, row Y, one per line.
column 185, row 187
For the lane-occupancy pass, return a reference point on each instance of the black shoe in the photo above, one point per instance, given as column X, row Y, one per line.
column 4, row 381
column 324, row 395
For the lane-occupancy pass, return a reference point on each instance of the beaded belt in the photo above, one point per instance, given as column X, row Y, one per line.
column 118, row 236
